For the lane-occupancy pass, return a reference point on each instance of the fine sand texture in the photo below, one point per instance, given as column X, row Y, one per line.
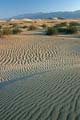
column 39, row 78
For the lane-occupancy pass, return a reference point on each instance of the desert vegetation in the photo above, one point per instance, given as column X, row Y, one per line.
column 50, row 26
column 52, row 31
column 8, row 31
column 32, row 27
column 63, row 28
column 16, row 31
column 44, row 25
column 74, row 24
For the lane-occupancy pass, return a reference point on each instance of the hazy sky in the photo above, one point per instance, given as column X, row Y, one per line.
column 9, row 8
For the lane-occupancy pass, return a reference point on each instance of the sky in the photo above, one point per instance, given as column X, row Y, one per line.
column 10, row 8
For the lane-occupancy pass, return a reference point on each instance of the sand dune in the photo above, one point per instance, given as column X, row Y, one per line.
column 40, row 78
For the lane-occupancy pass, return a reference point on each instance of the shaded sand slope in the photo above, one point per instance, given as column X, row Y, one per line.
column 43, row 78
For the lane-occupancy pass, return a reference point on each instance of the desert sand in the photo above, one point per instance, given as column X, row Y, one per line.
column 39, row 77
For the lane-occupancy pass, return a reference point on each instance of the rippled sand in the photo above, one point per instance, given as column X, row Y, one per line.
column 40, row 78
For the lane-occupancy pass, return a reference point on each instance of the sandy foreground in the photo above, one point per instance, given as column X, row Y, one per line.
column 39, row 78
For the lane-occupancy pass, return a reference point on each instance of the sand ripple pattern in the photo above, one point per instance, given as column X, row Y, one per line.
column 40, row 78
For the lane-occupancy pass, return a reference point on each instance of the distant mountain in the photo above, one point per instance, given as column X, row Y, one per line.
column 65, row 14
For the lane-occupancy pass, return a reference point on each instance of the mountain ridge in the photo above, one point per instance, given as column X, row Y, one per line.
column 42, row 15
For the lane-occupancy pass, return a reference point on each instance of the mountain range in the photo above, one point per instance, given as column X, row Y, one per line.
column 41, row 15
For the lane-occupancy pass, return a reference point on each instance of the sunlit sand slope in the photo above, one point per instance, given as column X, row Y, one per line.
column 40, row 78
